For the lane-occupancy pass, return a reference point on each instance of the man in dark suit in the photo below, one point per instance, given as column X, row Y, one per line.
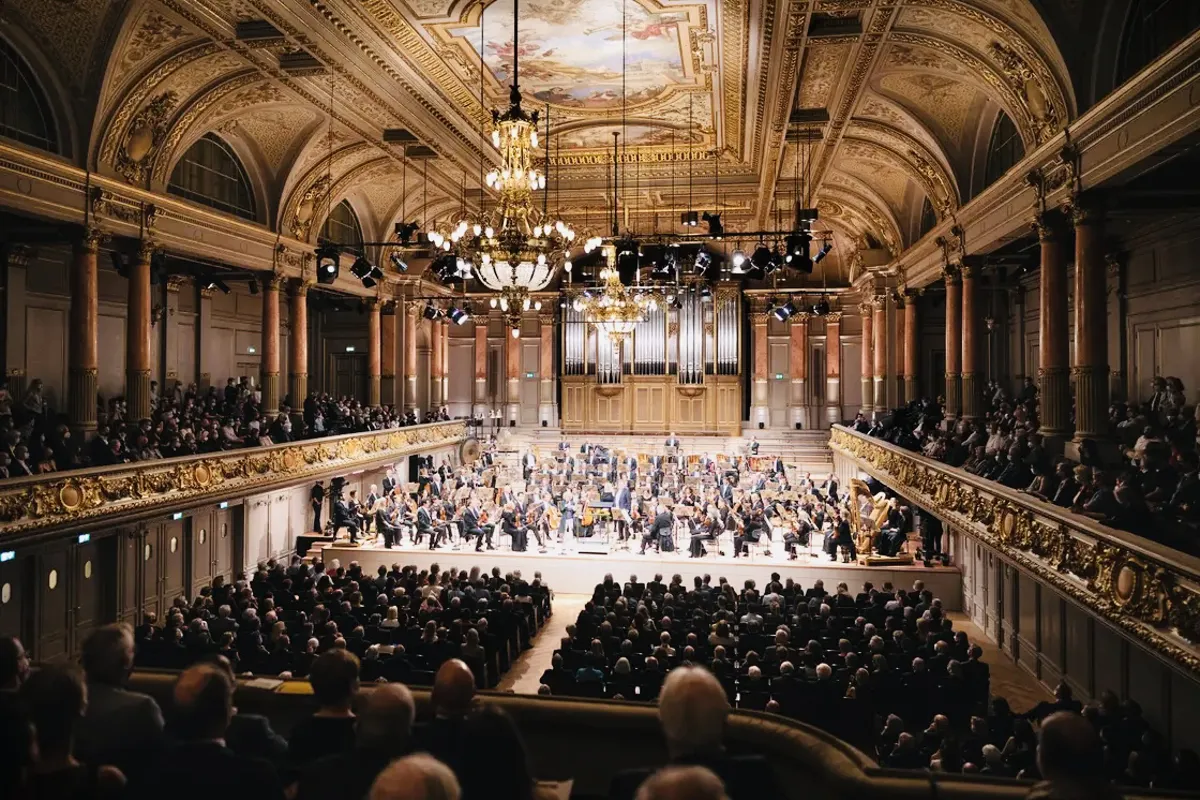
column 345, row 515
column 390, row 482
column 383, row 733
column 200, row 765
column 452, row 695
column 316, row 497
column 384, row 524
column 512, row 526
column 692, row 710
column 121, row 728
column 661, row 531
column 624, row 502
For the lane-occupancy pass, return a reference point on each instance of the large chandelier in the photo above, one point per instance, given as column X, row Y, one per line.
column 614, row 309
column 515, row 246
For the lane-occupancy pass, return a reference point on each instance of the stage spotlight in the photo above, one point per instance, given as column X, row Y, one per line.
column 715, row 228
column 785, row 311
column 821, row 309
column 216, row 283
column 398, row 262
column 689, row 219
column 432, row 312
column 329, row 263
column 824, row 251
column 739, row 261
column 361, row 267
column 119, row 264
column 405, row 231
column 761, row 257
column 702, row 263
column 253, row 283
column 705, row 294
column 459, row 316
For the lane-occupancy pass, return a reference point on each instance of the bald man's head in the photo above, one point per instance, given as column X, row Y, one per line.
column 386, row 718
column 682, row 783
column 1069, row 749
column 416, row 777
column 202, row 702
column 453, row 688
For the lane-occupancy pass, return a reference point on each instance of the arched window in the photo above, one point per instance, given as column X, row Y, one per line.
column 341, row 226
column 24, row 111
column 211, row 174
column 1004, row 150
column 929, row 219
column 1152, row 28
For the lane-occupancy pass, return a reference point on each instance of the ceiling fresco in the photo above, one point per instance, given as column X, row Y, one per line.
column 894, row 95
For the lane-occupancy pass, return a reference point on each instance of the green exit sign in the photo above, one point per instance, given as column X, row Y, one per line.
column 530, row 375
column 778, row 376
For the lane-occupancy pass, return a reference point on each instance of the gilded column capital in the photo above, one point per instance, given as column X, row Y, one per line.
column 90, row 240
column 952, row 273
column 298, row 287
column 970, row 270
column 19, row 255
column 413, row 307
column 373, row 304
column 1085, row 208
column 1047, row 226
column 206, row 292
column 176, row 282
column 833, row 318
column 271, row 282
column 801, row 318
column 867, row 307
column 145, row 249
column 546, row 318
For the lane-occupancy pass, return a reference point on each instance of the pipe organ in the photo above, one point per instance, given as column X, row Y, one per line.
column 680, row 370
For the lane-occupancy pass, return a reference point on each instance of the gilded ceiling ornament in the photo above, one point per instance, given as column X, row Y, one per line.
column 302, row 219
column 155, row 33
column 143, row 137
column 1024, row 82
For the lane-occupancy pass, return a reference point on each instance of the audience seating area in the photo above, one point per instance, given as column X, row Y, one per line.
column 883, row 670
column 402, row 623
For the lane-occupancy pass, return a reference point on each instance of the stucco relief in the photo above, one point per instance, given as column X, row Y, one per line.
column 943, row 101
column 274, row 131
column 822, row 67
column 70, row 32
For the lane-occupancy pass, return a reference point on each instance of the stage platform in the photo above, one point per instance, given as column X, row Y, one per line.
column 578, row 572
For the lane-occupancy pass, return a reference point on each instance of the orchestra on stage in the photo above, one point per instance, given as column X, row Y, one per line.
column 597, row 499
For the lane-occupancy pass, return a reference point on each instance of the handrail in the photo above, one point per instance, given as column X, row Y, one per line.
column 1147, row 589
column 62, row 501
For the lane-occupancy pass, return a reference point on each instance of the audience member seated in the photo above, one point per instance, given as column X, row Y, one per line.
column 692, row 709
column 199, row 765
column 444, row 735
column 53, row 700
column 499, row 763
column 120, row 727
column 15, row 734
column 682, row 783
column 415, row 777
column 383, row 733
column 330, row 730
column 1070, row 761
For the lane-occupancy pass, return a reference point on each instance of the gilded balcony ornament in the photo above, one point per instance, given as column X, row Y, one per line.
column 142, row 138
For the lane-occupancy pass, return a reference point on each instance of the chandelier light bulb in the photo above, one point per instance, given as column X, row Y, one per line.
column 739, row 257
column 504, row 304
column 541, row 259
column 537, row 231
column 533, row 139
column 577, row 305
column 489, row 232
column 478, row 229
column 567, row 266
column 537, row 305
column 446, row 246
column 516, row 333
column 519, row 173
column 495, row 138
column 493, row 303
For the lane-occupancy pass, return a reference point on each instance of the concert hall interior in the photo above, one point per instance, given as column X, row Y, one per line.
column 629, row 399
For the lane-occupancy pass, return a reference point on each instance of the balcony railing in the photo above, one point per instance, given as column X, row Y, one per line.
column 1144, row 588
column 108, row 495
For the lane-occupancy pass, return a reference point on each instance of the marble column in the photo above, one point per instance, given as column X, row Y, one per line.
column 799, row 368
column 546, row 404
column 973, row 377
column 879, row 349
column 1090, row 370
column 269, row 368
column 512, row 371
column 412, row 313
column 137, row 334
column 374, row 354
column 760, row 404
column 83, row 347
column 867, row 359
column 387, row 355
column 1054, row 389
column 298, row 345
column 437, row 376
column 481, row 360
column 204, row 328
column 912, row 353
column 833, row 367
column 169, row 336
column 953, row 342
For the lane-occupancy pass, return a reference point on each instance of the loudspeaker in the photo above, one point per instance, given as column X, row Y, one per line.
column 799, row 427
column 545, row 423
column 762, row 425
column 512, row 423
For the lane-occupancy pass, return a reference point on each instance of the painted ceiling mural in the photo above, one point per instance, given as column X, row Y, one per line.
column 897, row 99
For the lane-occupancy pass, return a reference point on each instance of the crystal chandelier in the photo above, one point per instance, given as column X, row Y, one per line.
column 515, row 246
column 614, row 309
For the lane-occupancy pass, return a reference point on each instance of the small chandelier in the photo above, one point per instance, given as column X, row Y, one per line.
column 615, row 310
column 515, row 246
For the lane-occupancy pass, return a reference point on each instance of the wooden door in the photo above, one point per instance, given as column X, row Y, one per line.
column 222, row 542
column 173, row 561
column 150, row 571
column 349, row 371
column 200, row 543
column 129, row 576
column 54, row 605
column 88, row 587
column 14, row 597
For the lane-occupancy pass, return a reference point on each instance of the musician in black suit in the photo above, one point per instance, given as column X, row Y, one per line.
column 345, row 515
column 831, row 489
column 624, row 504
column 754, row 445
column 756, row 525
column 316, row 497
column 528, row 465
column 797, row 536
column 511, row 524
column 424, row 526
column 390, row 482
column 660, row 532
column 385, row 524
column 778, row 467
column 706, row 531
column 842, row 538
column 369, row 507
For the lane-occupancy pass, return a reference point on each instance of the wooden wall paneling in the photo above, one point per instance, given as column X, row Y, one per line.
column 1051, row 641
column 110, row 373
column 200, row 546
column 46, row 351
column 257, row 530
column 173, row 562
column 223, row 548
column 92, row 586
column 1149, row 683
column 1078, row 661
column 129, row 580
column 1027, row 620
column 53, row 605
column 1185, row 712
column 1008, row 611
column 1108, row 659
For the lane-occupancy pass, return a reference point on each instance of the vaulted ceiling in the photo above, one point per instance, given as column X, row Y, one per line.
column 865, row 108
